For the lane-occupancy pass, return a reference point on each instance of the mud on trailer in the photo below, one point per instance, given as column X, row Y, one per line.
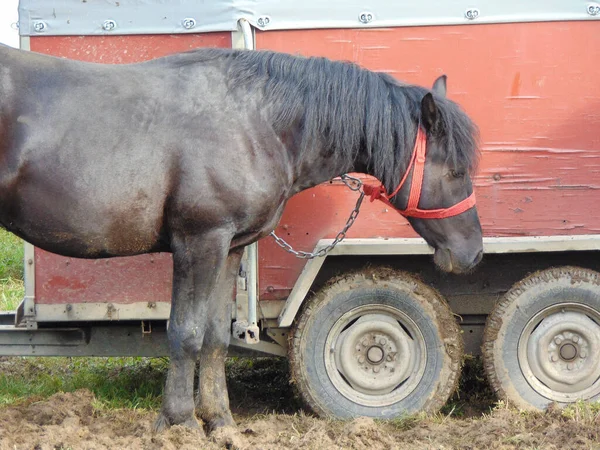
column 373, row 325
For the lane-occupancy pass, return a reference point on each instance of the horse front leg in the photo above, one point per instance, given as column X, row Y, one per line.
column 197, row 264
column 213, row 401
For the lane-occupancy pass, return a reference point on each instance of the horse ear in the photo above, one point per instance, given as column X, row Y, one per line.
column 439, row 86
column 429, row 113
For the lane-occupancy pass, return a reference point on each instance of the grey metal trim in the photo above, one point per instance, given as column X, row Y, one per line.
column 29, row 270
column 94, row 312
column 26, row 311
column 81, row 312
column 24, row 43
column 76, row 17
column 417, row 246
column 123, row 339
column 252, row 282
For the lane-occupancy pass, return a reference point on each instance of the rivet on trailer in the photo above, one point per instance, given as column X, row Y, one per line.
column 372, row 328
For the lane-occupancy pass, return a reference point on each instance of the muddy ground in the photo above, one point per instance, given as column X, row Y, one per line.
column 269, row 417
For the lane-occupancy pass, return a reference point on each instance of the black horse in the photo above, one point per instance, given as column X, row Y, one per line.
column 197, row 154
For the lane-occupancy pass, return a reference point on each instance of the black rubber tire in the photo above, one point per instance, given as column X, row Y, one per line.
column 509, row 318
column 424, row 305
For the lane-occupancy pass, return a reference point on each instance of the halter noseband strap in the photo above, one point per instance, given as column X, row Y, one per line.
column 417, row 161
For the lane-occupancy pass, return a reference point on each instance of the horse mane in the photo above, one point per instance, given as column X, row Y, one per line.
column 375, row 113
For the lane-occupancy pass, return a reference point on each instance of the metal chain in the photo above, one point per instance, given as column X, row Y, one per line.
column 355, row 185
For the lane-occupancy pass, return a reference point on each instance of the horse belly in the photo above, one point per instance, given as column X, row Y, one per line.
column 87, row 226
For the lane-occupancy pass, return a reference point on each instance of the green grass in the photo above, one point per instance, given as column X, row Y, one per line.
column 583, row 412
column 133, row 383
column 11, row 271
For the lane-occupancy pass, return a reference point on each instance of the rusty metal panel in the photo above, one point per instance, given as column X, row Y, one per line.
column 125, row 49
column 140, row 279
column 531, row 88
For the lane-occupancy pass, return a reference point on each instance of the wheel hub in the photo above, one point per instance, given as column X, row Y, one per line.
column 376, row 357
column 370, row 351
column 557, row 351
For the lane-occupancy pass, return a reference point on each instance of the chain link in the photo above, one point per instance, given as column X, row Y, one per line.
column 353, row 184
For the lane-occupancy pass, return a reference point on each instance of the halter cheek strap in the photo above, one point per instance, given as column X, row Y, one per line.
column 417, row 162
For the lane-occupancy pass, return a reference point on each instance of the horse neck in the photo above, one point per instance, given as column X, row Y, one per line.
column 320, row 164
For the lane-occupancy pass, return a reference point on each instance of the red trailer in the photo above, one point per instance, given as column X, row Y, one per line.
column 360, row 325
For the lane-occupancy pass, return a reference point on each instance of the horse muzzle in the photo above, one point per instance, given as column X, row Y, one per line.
column 457, row 262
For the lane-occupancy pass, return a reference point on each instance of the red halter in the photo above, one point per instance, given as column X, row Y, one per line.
column 412, row 210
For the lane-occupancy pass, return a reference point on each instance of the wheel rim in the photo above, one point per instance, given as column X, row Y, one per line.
column 375, row 355
column 558, row 352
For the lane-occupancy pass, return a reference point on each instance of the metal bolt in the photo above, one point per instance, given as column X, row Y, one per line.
column 554, row 358
column 570, row 366
column 388, row 358
column 361, row 359
column 188, row 23
column 364, row 342
column 383, row 341
column 69, row 307
column 376, row 369
column 593, row 9
column 472, row 13
column 576, row 339
column 263, row 21
column 583, row 354
column 30, row 261
column 365, row 17
column 39, row 26
column 109, row 25
column 557, row 340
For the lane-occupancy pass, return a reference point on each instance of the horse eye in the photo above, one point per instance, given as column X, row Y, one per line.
column 457, row 173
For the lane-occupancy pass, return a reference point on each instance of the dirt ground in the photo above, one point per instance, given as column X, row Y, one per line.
column 269, row 418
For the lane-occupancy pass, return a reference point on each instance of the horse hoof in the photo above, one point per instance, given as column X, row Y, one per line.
column 160, row 424
column 229, row 437
column 219, row 422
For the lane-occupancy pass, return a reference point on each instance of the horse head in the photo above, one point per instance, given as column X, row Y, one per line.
column 444, row 211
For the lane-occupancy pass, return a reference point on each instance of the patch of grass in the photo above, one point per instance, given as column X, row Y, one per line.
column 474, row 396
column 134, row 383
column 11, row 293
column 587, row 413
column 405, row 423
column 11, row 256
column 263, row 383
column 11, row 271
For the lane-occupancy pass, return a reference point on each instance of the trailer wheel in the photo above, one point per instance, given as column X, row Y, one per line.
column 376, row 343
column 542, row 341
